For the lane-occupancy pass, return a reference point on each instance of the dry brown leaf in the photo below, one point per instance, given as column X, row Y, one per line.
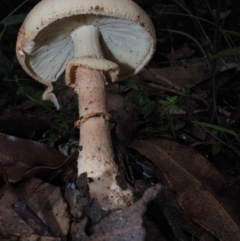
column 196, row 69
column 192, row 162
column 193, row 179
column 18, row 156
column 31, row 219
column 176, row 76
column 47, row 202
column 126, row 224
column 146, row 74
column 179, row 77
column 44, row 199
column 10, row 223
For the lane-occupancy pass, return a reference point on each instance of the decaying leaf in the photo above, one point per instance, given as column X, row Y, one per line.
column 179, row 76
column 196, row 69
column 126, row 224
column 18, row 156
column 47, row 202
column 10, row 223
column 31, row 219
column 176, row 76
column 194, row 180
column 44, row 199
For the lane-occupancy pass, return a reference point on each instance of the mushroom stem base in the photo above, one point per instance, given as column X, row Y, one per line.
column 96, row 157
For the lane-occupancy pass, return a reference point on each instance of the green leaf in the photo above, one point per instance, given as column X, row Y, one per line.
column 38, row 96
column 222, row 14
column 26, row 90
column 170, row 101
column 20, row 90
column 2, row 101
column 218, row 128
column 29, row 90
column 133, row 86
column 226, row 52
column 173, row 99
column 174, row 107
column 216, row 148
column 178, row 125
column 5, row 64
column 14, row 19
column 231, row 32
column 163, row 102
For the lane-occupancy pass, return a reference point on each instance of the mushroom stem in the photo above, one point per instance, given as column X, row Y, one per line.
column 86, row 42
column 87, row 74
column 96, row 157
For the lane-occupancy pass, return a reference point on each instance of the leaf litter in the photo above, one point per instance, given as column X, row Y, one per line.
column 18, row 156
column 195, row 182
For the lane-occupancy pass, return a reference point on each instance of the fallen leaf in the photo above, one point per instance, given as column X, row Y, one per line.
column 44, row 199
column 196, row 69
column 31, row 218
column 47, row 202
column 194, row 180
column 176, row 76
column 10, row 223
column 179, row 76
column 18, row 156
column 126, row 224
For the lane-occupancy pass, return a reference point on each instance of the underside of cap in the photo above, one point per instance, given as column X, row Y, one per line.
column 44, row 47
column 110, row 69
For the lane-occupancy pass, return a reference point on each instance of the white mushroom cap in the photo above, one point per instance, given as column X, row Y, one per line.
column 44, row 45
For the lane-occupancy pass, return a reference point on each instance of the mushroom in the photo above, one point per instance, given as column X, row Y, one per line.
column 95, row 42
